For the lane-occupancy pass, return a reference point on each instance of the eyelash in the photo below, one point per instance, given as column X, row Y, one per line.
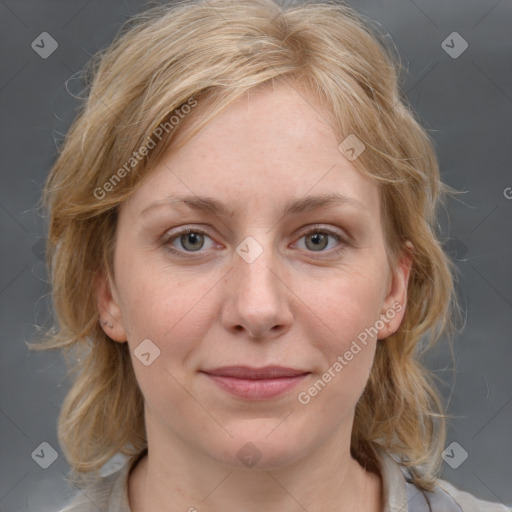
column 313, row 230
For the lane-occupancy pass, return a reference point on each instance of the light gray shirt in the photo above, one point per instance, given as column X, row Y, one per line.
column 110, row 494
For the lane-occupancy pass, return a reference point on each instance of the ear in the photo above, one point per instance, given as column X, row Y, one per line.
column 110, row 316
column 393, row 310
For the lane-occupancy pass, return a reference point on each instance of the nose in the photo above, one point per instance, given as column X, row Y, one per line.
column 258, row 296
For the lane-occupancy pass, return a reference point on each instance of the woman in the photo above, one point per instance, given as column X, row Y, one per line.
column 244, row 263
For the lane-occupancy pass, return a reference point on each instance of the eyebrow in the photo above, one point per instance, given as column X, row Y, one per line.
column 294, row 207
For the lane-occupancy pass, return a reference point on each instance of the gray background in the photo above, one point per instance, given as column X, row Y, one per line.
column 465, row 101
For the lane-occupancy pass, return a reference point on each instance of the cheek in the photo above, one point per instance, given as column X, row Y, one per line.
column 174, row 312
column 158, row 298
column 173, row 317
column 345, row 303
column 342, row 316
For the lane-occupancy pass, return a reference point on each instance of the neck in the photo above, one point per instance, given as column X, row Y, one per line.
column 183, row 480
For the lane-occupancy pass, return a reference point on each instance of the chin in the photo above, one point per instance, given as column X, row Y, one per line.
column 262, row 452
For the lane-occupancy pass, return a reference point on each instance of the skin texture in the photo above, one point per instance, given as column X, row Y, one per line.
column 212, row 308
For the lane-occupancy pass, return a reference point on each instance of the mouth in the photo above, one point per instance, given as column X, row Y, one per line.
column 256, row 383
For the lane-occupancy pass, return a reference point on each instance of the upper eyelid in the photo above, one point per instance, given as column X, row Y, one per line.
column 306, row 229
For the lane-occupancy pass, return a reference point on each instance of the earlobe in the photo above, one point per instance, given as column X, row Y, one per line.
column 109, row 312
column 395, row 302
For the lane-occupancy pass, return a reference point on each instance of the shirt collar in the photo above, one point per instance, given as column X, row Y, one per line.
column 393, row 482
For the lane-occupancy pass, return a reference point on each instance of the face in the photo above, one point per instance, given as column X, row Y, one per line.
column 267, row 282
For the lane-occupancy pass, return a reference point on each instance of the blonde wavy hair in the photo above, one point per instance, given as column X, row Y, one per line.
column 213, row 52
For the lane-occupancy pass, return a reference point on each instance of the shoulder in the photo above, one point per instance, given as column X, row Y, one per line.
column 401, row 494
column 466, row 501
column 108, row 493
column 447, row 498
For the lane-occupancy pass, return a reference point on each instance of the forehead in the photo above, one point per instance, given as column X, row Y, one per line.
column 270, row 146
column 275, row 115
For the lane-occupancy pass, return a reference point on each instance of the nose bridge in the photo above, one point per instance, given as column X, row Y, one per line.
column 258, row 297
column 256, row 264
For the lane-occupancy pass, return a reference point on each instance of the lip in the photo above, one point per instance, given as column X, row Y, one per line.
column 256, row 383
column 247, row 372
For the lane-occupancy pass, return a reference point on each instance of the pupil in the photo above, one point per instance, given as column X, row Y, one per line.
column 317, row 239
column 191, row 239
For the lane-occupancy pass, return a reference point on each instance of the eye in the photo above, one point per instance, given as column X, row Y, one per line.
column 190, row 239
column 316, row 239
